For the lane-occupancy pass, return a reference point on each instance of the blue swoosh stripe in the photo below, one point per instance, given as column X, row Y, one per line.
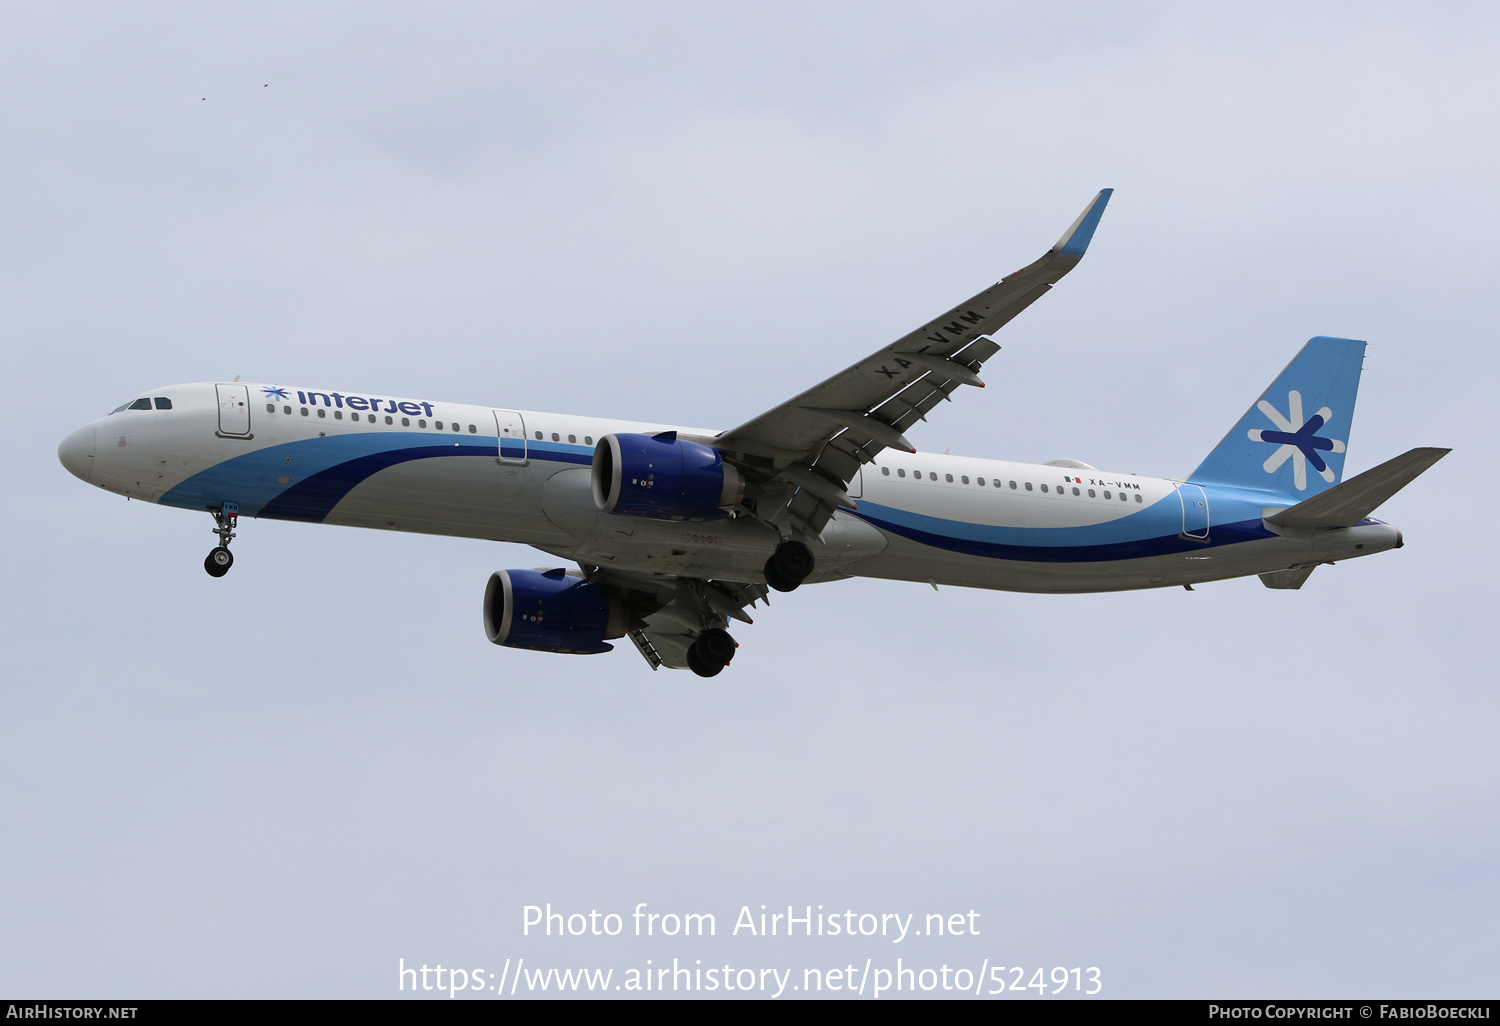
column 557, row 452
column 312, row 499
column 346, row 461
column 1138, row 548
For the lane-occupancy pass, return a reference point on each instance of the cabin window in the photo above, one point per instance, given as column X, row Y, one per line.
column 455, row 425
column 1044, row 487
column 270, row 407
column 405, row 422
column 901, row 473
column 473, row 429
column 287, row 410
column 978, row 480
column 338, row 414
column 304, row 411
column 538, row 436
column 141, row 404
column 965, row 479
column 388, row 420
column 1091, row 494
column 1122, row 496
column 322, row 412
column 1137, row 496
column 932, row 475
column 421, row 423
column 948, row 478
column 885, row 471
column 1012, row 485
column 555, row 437
column 1028, row 486
column 572, row 439
column 1107, row 495
column 438, row 424
column 588, row 439
column 1075, row 491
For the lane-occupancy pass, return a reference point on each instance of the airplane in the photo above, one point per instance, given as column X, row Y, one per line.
column 675, row 531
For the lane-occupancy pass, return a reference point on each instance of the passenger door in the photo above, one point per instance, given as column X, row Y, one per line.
column 234, row 410
column 1194, row 512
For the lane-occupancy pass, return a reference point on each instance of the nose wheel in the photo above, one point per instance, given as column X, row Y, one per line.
column 218, row 562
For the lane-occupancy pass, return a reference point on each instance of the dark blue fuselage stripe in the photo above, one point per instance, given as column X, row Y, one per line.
column 313, row 499
column 1140, row 548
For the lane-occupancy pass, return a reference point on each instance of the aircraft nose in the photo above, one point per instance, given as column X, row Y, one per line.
column 77, row 453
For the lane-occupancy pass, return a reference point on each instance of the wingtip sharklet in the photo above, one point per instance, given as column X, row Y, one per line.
column 1076, row 239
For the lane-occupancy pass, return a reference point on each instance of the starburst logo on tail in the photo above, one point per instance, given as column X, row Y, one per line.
column 1302, row 445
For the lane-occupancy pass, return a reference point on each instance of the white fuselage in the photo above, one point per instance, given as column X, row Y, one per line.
column 524, row 476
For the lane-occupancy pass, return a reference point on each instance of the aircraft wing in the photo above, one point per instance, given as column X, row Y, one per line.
column 813, row 445
column 669, row 611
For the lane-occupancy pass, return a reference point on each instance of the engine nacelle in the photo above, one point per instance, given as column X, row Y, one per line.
column 551, row 611
column 664, row 477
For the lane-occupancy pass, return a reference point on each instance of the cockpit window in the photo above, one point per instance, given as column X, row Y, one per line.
column 162, row 403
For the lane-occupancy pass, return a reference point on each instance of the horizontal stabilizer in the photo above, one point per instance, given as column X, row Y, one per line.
column 1287, row 580
column 1346, row 504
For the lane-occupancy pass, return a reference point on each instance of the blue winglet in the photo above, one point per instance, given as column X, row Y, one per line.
column 1076, row 239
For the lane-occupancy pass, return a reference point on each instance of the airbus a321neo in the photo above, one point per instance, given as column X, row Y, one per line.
column 676, row 530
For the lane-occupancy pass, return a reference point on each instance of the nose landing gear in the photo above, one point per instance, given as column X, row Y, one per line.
column 221, row 559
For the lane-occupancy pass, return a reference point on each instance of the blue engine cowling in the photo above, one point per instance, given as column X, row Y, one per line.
column 664, row 477
column 550, row 611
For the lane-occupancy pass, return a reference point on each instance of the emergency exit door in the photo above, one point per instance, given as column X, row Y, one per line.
column 512, row 431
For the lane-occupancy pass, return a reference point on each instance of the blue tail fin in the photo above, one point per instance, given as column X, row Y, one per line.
column 1292, row 440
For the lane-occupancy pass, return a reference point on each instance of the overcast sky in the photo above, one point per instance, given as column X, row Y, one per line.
column 279, row 783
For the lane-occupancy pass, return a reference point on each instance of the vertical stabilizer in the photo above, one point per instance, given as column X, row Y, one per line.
column 1293, row 439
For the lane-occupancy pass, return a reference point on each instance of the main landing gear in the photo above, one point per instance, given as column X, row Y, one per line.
column 221, row 559
column 711, row 652
column 789, row 566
